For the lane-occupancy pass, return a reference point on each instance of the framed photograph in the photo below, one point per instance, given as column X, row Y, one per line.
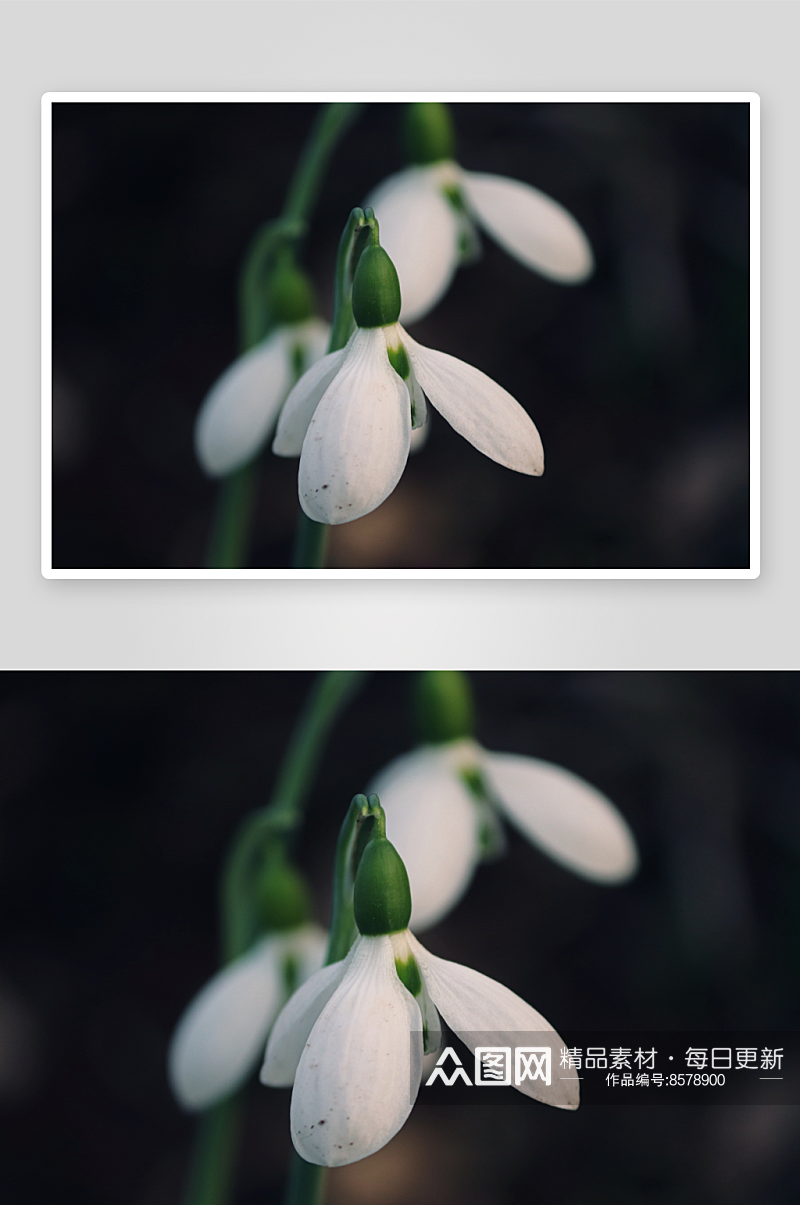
column 400, row 335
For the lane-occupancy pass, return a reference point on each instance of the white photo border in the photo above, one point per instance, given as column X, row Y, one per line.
column 50, row 98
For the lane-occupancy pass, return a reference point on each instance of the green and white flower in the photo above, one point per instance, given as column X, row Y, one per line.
column 352, row 1039
column 220, row 1038
column 444, row 801
column 351, row 416
column 429, row 215
column 241, row 409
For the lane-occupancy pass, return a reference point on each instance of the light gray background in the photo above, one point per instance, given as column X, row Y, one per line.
column 563, row 46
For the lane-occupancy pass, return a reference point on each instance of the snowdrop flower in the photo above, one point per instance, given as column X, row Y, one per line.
column 351, row 1040
column 444, row 801
column 240, row 411
column 221, row 1035
column 351, row 416
column 429, row 212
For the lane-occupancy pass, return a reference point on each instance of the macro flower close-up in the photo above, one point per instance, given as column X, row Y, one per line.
column 351, row 416
column 445, row 800
column 148, row 822
column 351, row 1040
column 429, row 212
column 177, row 226
column 456, row 794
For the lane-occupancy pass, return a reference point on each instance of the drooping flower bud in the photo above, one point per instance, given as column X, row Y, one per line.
column 283, row 900
column 382, row 896
column 291, row 295
column 428, row 132
column 376, row 289
column 444, row 706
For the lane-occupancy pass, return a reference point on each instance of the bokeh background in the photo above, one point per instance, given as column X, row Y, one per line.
column 120, row 792
column 637, row 380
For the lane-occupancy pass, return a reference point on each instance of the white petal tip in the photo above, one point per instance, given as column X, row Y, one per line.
column 531, row 226
column 568, row 818
column 619, row 869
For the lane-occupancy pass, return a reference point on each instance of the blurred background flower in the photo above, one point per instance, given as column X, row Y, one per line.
column 638, row 379
column 120, row 792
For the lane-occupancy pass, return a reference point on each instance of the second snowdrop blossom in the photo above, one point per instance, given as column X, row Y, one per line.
column 443, row 802
column 241, row 409
column 350, row 418
column 221, row 1035
column 352, row 1039
column 429, row 212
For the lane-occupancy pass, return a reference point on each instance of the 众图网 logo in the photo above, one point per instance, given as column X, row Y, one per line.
column 494, row 1065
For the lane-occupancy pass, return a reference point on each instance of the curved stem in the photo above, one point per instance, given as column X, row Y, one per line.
column 330, row 694
column 213, row 1157
column 279, row 820
column 365, row 817
column 330, row 125
column 273, row 241
column 233, row 516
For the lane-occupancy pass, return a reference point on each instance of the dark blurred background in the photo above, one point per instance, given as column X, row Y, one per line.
column 120, row 792
column 638, row 380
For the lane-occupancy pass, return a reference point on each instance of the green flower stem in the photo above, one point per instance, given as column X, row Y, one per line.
column 216, row 1144
column 282, row 816
column 306, row 1183
column 364, row 818
column 310, row 543
column 329, row 696
column 331, row 124
column 232, row 518
column 273, row 241
column 354, row 239
column 234, row 510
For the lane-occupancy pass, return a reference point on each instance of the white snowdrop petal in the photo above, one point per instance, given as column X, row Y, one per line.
column 240, row 410
column 357, row 443
column 419, row 435
column 433, row 824
column 485, row 1013
column 314, row 337
column 301, row 403
column 419, row 407
column 565, row 816
column 308, row 947
column 220, row 1037
column 478, row 408
column 295, row 1022
column 359, row 1073
column 529, row 225
column 419, row 230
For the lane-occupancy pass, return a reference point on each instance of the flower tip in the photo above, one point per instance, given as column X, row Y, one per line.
column 624, row 864
column 190, row 1082
column 213, row 457
column 536, row 458
column 582, row 265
